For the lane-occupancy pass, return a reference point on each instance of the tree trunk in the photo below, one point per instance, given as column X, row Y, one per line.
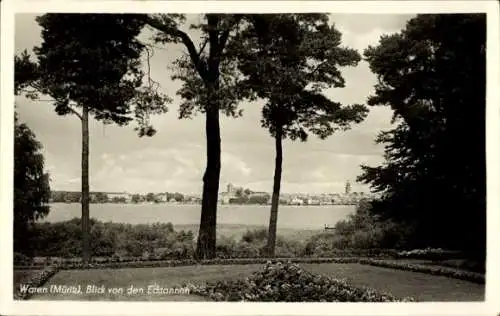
column 273, row 219
column 85, row 188
column 207, row 234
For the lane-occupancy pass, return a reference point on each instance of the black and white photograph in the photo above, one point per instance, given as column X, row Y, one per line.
column 309, row 156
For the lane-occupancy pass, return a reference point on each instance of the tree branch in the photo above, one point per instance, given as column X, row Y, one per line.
column 202, row 48
column 158, row 25
column 75, row 112
column 225, row 35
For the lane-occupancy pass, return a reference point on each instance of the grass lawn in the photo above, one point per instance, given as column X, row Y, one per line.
column 236, row 231
column 142, row 278
column 422, row 287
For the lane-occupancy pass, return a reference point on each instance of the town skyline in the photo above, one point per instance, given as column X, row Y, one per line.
column 231, row 195
column 222, row 189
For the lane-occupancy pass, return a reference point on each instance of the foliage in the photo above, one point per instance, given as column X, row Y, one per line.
column 214, row 79
column 288, row 282
column 91, row 62
column 207, row 79
column 252, row 245
column 62, row 239
column 31, row 183
column 288, row 60
column 110, row 86
column 75, row 197
column 432, row 75
column 361, row 230
column 22, row 259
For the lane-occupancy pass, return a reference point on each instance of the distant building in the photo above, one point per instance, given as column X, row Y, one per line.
column 313, row 202
column 347, row 188
column 162, row 197
column 120, row 195
column 296, row 201
column 230, row 189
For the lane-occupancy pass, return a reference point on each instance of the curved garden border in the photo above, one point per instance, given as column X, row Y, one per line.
column 422, row 268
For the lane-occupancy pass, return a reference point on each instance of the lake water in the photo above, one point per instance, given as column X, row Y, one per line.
column 294, row 217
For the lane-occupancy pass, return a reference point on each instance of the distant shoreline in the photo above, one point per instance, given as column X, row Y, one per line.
column 191, row 204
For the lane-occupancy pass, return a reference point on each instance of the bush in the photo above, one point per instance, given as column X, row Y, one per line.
column 252, row 245
column 361, row 230
column 289, row 283
column 63, row 239
column 256, row 235
column 21, row 259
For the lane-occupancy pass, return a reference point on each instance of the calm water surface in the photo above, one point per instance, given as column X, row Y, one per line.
column 297, row 217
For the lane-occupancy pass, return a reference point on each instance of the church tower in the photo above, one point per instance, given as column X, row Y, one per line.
column 347, row 188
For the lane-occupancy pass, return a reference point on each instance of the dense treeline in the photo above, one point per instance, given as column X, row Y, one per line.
column 31, row 183
column 433, row 180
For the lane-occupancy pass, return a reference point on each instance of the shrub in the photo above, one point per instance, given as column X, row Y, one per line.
column 63, row 239
column 21, row 259
column 361, row 230
column 289, row 283
column 256, row 235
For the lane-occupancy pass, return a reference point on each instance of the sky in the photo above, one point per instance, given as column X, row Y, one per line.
column 174, row 159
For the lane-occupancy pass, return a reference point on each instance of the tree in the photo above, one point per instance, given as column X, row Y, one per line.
column 31, row 184
column 91, row 62
column 136, row 198
column 150, row 197
column 101, row 197
column 211, row 83
column 208, row 77
column 179, row 197
column 432, row 74
column 288, row 59
column 238, row 192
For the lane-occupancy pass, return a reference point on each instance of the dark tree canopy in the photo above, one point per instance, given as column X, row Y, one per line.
column 288, row 60
column 92, row 60
column 31, row 183
column 432, row 74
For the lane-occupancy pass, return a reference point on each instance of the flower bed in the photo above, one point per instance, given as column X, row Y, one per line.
column 278, row 282
column 175, row 263
column 37, row 280
column 429, row 253
column 368, row 253
column 434, row 270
